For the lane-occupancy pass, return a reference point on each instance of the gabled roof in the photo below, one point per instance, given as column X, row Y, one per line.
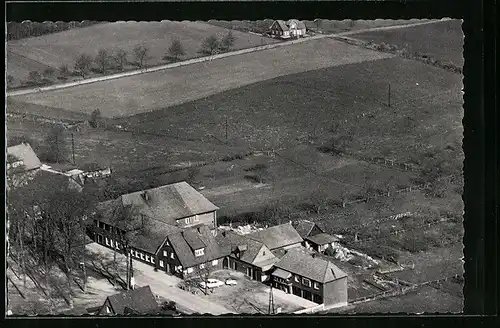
column 277, row 236
column 184, row 252
column 300, row 24
column 169, row 203
column 281, row 24
column 194, row 241
column 140, row 300
column 299, row 262
column 322, row 239
column 23, row 152
column 148, row 239
column 303, row 227
column 229, row 241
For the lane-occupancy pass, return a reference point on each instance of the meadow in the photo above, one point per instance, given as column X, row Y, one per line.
column 151, row 91
column 444, row 41
column 54, row 50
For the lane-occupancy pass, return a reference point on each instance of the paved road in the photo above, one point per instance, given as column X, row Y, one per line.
column 163, row 285
column 207, row 58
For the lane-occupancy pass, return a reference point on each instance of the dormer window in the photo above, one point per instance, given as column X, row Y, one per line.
column 199, row 252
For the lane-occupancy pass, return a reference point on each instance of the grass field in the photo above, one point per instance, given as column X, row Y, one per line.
column 54, row 50
column 146, row 92
column 441, row 40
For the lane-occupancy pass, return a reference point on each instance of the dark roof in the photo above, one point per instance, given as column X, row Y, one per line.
column 322, row 239
column 282, row 24
column 303, row 227
column 299, row 262
column 194, row 241
column 148, row 239
column 278, row 236
column 300, row 24
column 184, row 252
column 23, row 152
column 229, row 241
column 140, row 300
column 169, row 203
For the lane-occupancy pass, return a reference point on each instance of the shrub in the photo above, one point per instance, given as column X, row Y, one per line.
column 95, row 118
column 34, row 77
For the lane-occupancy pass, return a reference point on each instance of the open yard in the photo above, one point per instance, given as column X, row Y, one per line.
column 155, row 90
column 441, row 40
column 54, row 50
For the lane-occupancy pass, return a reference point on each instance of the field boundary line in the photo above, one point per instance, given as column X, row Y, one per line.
column 204, row 59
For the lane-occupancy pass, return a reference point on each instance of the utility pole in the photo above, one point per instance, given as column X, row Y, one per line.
column 389, row 96
column 73, row 146
column 271, row 301
column 226, row 128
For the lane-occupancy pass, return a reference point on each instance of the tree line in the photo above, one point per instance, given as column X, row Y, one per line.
column 27, row 29
column 105, row 60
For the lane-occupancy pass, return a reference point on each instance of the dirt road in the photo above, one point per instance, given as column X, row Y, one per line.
column 164, row 285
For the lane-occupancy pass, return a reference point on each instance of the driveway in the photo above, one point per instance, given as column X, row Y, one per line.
column 164, row 285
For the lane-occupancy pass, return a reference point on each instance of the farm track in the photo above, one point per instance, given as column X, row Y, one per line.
column 203, row 59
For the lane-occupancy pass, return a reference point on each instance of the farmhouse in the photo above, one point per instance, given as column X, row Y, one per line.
column 282, row 236
column 285, row 30
column 137, row 301
column 310, row 277
column 314, row 237
column 246, row 255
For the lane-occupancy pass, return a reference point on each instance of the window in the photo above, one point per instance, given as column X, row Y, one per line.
column 297, row 279
column 117, row 245
column 189, row 270
column 107, row 241
column 215, row 262
column 306, row 282
column 142, row 256
column 147, row 258
column 165, row 253
column 167, row 243
column 132, row 252
column 96, row 223
column 196, row 219
column 162, row 264
column 172, row 256
column 152, row 260
column 316, row 286
column 111, row 242
column 199, row 252
column 188, row 220
column 108, row 310
column 202, row 266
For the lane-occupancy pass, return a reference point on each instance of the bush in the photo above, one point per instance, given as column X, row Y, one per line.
column 95, row 118
column 230, row 158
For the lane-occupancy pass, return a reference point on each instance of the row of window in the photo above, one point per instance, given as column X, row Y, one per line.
column 111, row 243
column 142, row 256
column 172, row 255
column 306, row 282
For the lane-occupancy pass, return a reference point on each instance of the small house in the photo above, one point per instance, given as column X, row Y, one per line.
column 246, row 255
column 137, row 301
column 314, row 237
column 279, row 236
column 310, row 277
column 290, row 29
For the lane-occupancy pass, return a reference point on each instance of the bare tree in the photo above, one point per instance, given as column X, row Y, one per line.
column 121, row 58
column 176, row 50
column 209, row 46
column 83, row 64
column 102, row 60
column 227, row 41
column 141, row 55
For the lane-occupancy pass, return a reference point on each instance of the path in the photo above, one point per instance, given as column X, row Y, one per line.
column 207, row 58
column 164, row 285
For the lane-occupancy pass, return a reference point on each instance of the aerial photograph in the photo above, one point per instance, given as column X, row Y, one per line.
column 279, row 166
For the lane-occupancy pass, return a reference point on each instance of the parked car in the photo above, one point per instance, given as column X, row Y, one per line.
column 231, row 282
column 212, row 283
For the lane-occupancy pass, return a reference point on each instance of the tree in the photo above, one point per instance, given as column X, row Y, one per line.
column 176, row 50
column 95, row 118
column 83, row 64
column 48, row 72
column 63, row 71
column 34, row 77
column 227, row 41
column 102, row 60
column 141, row 55
column 10, row 80
column 121, row 58
column 56, row 145
column 209, row 46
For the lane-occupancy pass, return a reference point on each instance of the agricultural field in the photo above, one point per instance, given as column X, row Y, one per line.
column 441, row 40
column 162, row 89
column 54, row 50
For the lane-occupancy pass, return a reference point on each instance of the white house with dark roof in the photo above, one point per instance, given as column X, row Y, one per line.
column 289, row 29
column 310, row 277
